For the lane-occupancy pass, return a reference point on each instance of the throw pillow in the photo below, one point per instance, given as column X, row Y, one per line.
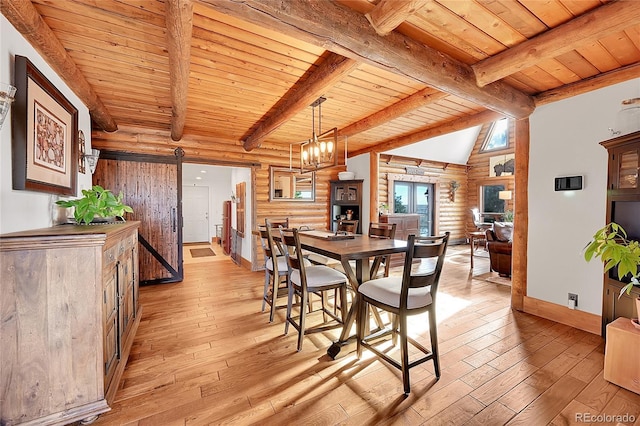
column 503, row 230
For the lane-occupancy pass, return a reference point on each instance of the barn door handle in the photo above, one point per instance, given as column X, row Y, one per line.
column 173, row 218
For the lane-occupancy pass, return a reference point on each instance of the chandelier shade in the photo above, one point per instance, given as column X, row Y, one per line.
column 319, row 151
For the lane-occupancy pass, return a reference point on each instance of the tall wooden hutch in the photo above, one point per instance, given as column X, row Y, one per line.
column 623, row 207
column 346, row 196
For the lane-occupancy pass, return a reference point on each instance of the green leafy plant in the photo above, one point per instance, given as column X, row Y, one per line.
column 612, row 246
column 96, row 202
column 508, row 216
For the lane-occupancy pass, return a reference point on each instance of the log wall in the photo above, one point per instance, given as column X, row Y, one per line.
column 450, row 210
column 211, row 151
column 478, row 173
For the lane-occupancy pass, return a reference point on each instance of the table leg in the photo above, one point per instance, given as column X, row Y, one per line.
column 344, row 338
column 360, row 275
column 471, row 238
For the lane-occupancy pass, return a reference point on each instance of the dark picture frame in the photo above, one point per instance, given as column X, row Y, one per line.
column 44, row 140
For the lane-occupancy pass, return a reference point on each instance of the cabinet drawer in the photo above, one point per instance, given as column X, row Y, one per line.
column 110, row 256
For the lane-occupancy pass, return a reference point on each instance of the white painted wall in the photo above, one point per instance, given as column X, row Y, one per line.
column 20, row 210
column 453, row 147
column 361, row 166
column 565, row 140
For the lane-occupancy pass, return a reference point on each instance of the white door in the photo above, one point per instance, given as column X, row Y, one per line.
column 195, row 212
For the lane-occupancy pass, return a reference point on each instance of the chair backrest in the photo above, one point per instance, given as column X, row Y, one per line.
column 429, row 250
column 477, row 219
column 293, row 254
column 276, row 223
column 382, row 230
column 348, row 226
column 276, row 248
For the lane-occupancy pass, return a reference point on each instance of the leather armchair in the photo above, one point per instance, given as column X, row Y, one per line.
column 499, row 246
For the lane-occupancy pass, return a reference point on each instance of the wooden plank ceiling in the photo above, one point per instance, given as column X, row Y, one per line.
column 393, row 72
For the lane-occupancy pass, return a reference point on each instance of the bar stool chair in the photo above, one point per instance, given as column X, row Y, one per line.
column 413, row 293
column 275, row 270
column 381, row 231
column 307, row 279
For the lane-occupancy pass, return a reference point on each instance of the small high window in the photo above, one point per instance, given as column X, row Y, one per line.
column 497, row 136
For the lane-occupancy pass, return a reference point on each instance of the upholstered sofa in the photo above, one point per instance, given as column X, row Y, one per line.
column 499, row 239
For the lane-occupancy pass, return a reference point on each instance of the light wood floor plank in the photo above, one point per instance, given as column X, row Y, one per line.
column 205, row 354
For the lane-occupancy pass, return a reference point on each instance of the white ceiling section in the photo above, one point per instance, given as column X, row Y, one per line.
column 212, row 174
column 450, row 148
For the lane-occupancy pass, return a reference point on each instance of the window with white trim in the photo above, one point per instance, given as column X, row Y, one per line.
column 497, row 136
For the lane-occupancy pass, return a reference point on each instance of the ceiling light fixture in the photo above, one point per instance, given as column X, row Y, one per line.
column 319, row 151
column 92, row 159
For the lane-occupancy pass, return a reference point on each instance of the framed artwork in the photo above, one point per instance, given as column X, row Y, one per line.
column 502, row 165
column 44, row 134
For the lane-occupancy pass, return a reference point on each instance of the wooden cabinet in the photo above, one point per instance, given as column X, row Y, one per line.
column 406, row 224
column 623, row 207
column 69, row 314
column 346, row 196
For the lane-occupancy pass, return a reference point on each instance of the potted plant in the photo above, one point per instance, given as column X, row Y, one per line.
column 97, row 205
column 615, row 249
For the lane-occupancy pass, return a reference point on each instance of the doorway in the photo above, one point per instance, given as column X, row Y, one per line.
column 196, row 217
column 417, row 198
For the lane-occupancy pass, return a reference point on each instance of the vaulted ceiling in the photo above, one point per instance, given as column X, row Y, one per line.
column 393, row 72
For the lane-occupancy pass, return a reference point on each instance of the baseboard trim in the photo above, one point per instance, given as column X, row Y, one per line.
column 245, row 263
column 572, row 317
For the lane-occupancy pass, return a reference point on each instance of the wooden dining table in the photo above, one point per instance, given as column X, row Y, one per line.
column 360, row 248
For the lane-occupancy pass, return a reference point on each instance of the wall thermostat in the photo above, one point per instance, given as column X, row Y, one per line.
column 568, row 183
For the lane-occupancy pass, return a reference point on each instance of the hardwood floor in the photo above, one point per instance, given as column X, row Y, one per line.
column 205, row 354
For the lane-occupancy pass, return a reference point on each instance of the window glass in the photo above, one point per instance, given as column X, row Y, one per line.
column 491, row 203
column 401, row 197
column 497, row 137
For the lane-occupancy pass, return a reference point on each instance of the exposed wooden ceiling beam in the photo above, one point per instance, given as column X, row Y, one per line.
column 388, row 14
column 331, row 71
column 179, row 22
column 26, row 19
column 432, row 131
column 415, row 101
column 587, row 85
column 589, row 27
column 347, row 32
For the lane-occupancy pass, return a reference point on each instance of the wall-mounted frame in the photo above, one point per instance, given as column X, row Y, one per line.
column 291, row 185
column 44, row 134
column 502, row 165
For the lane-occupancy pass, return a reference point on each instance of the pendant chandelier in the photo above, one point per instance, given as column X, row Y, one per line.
column 320, row 150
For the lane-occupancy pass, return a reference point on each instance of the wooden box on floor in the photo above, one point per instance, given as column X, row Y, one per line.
column 622, row 352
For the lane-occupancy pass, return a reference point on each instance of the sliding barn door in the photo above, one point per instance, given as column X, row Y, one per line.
column 152, row 186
